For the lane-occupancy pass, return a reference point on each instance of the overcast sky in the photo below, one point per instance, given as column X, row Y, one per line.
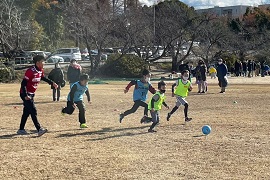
column 199, row 4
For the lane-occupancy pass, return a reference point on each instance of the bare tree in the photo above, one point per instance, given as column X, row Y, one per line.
column 10, row 26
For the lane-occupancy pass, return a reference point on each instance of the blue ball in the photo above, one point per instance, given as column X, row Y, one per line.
column 206, row 130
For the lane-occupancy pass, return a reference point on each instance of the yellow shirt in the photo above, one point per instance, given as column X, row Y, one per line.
column 182, row 89
column 212, row 70
column 158, row 103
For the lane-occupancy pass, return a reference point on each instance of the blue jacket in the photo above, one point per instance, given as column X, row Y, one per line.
column 222, row 70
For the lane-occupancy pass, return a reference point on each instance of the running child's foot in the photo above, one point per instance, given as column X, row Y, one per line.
column 151, row 131
column 168, row 116
column 42, row 131
column 83, row 126
column 187, row 119
column 146, row 119
column 22, row 132
column 121, row 117
column 62, row 112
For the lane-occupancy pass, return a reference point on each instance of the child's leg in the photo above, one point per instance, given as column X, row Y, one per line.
column 81, row 107
column 58, row 93
column 186, row 113
column 178, row 103
column 133, row 109
column 31, row 108
column 53, row 93
column 69, row 109
column 199, row 86
column 155, row 119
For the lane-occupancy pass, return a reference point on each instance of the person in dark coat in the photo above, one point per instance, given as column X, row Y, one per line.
column 237, row 68
column 250, row 68
column 201, row 71
column 222, row 75
column 57, row 76
column 74, row 72
column 244, row 66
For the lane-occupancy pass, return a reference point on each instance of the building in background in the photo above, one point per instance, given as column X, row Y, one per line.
column 231, row 12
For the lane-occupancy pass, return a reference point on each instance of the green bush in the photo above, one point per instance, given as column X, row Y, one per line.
column 5, row 74
column 126, row 66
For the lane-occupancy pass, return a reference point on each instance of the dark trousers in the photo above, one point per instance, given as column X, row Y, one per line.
column 70, row 109
column 56, row 93
column 29, row 108
column 135, row 107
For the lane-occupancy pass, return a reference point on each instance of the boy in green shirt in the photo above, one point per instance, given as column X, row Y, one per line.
column 183, row 85
column 156, row 103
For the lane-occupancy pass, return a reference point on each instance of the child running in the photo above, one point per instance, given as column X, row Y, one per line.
column 29, row 84
column 181, row 92
column 156, row 103
column 139, row 95
column 75, row 97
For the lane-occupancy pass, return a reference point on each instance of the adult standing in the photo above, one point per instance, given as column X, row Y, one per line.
column 244, row 65
column 57, row 76
column 222, row 75
column 74, row 72
column 237, row 68
column 201, row 71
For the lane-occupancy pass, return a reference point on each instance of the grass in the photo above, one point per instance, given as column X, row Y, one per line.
column 237, row 148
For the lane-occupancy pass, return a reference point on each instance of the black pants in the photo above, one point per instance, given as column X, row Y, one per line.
column 135, row 107
column 70, row 109
column 29, row 109
column 54, row 93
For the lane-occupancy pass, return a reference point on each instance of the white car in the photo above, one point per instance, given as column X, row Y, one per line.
column 54, row 59
column 68, row 54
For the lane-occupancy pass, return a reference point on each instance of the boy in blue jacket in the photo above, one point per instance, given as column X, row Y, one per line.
column 75, row 98
column 140, row 92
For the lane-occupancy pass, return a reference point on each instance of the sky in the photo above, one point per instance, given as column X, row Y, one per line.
column 200, row 4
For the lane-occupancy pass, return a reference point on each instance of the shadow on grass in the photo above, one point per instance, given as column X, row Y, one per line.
column 119, row 135
column 201, row 135
column 101, row 132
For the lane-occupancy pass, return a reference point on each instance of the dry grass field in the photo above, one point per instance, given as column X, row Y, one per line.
column 237, row 148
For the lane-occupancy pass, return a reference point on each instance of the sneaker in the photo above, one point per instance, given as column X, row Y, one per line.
column 199, row 91
column 187, row 119
column 151, row 131
column 83, row 125
column 42, row 131
column 221, row 92
column 143, row 119
column 121, row 117
column 62, row 112
column 22, row 132
column 168, row 116
column 202, row 92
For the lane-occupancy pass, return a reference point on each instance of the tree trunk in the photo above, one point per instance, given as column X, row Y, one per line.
column 174, row 63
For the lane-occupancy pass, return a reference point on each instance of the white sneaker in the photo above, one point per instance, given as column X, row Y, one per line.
column 22, row 132
column 42, row 131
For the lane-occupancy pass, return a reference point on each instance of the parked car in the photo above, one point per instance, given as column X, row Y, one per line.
column 21, row 57
column 94, row 54
column 68, row 54
column 54, row 59
column 34, row 53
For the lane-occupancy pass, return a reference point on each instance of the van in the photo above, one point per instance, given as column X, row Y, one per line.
column 68, row 54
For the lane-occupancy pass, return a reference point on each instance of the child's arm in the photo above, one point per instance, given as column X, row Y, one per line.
column 152, row 89
column 88, row 95
column 50, row 82
column 27, row 77
column 133, row 82
column 164, row 104
column 173, row 86
column 190, row 87
column 155, row 98
column 72, row 92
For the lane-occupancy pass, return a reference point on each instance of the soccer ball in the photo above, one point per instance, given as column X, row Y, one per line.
column 206, row 129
